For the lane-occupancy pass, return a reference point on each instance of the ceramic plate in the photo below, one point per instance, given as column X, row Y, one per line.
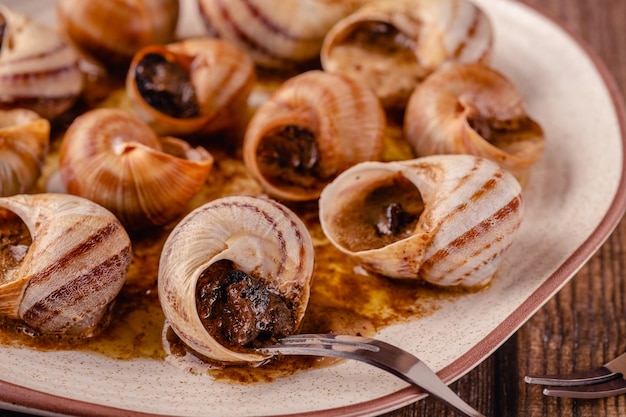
column 575, row 197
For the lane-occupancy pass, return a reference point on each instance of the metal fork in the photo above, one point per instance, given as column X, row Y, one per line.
column 604, row 381
column 377, row 353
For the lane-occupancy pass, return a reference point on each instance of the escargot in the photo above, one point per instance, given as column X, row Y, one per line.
column 39, row 70
column 234, row 274
column 393, row 45
column 112, row 31
column 63, row 275
column 474, row 109
column 443, row 219
column 275, row 37
column 198, row 85
column 313, row 127
column 114, row 159
column 24, row 143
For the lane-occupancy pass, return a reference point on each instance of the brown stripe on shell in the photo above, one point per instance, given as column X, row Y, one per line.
column 88, row 244
column 470, row 236
column 83, row 290
column 60, row 46
column 269, row 219
column 471, row 32
column 34, row 76
column 241, row 35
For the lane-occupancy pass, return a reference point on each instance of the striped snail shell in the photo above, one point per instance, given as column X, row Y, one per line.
column 39, row 70
column 66, row 279
column 313, row 127
column 473, row 109
column 394, row 45
column 114, row 159
column 445, row 219
column 24, row 143
column 275, row 37
column 233, row 273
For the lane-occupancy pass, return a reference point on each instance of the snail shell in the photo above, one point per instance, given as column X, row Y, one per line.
column 197, row 85
column 114, row 159
column 73, row 269
column 24, row 142
column 113, row 31
column 393, row 45
column 446, row 219
column 38, row 69
column 275, row 37
column 313, row 127
column 474, row 109
column 251, row 235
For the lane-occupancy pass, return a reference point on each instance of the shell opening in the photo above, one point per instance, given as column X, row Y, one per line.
column 509, row 135
column 166, row 86
column 385, row 212
column 240, row 311
column 382, row 39
column 15, row 239
column 289, row 157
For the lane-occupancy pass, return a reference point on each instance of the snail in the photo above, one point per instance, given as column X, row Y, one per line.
column 394, row 45
column 474, row 109
column 443, row 219
column 275, row 37
column 65, row 279
column 235, row 273
column 313, row 127
column 24, row 143
column 112, row 31
column 114, row 159
column 198, row 85
column 39, row 70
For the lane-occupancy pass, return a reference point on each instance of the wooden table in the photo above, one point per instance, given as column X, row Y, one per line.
column 584, row 325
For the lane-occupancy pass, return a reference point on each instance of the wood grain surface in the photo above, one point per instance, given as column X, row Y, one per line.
column 584, row 325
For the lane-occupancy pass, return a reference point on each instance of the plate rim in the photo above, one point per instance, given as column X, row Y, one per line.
column 45, row 403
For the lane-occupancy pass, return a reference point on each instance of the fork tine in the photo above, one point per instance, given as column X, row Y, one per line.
column 601, row 390
column 377, row 353
column 590, row 377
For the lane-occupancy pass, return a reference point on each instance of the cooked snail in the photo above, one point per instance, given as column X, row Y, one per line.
column 197, row 85
column 275, row 36
column 64, row 278
column 313, row 127
column 114, row 159
column 474, row 109
column 234, row 273
column 113, row 31
column 394, row 45
column 24, row 142
column 38, row 69
column 445, row 219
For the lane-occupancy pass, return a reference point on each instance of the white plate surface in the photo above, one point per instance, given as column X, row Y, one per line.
column 575, row 197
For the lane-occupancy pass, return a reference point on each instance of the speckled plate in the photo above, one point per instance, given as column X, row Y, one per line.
column 575, row 197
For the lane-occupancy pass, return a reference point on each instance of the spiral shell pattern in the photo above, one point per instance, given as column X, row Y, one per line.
column 473, row 109
column 313, row 127
column 38, row 69
column 74, row 268
column 260, row 237
column 114, row 159
column 393, row 45
column 136, row 23
column 445, row 219
column 24, row 143
column 289, row 35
